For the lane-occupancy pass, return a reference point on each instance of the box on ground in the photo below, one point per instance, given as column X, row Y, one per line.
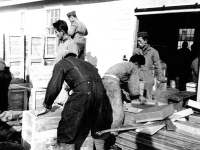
column 38, row 130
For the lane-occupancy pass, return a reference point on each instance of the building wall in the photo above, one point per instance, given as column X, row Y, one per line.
column 111, row 27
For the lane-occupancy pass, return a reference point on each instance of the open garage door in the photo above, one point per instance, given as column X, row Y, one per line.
column 167, row 31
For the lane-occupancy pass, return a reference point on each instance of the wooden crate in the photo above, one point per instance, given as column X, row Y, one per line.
column 154, row 113
column 16, row 68
column 37, row 98
column 17, row 98
column 38, row 131
column 36, row 46
column 179, row 100
column 14, row 46
column 50, row 47
column 40, row 76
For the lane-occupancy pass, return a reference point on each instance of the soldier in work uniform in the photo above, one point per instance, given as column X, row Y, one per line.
column 87, row 108
column 125, row 74
column 151, row 59
column 77, row 31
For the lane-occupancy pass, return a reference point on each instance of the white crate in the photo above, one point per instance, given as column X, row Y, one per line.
column 37, row 131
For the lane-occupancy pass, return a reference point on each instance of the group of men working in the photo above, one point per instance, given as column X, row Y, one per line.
column 94, row 103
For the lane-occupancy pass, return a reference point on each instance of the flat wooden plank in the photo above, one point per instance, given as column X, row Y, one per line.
column 193, row 104
column 192, row 128
column 154, row 113
column 161, row 141
column 194, row 118
column 147, row 141
column 173, row 117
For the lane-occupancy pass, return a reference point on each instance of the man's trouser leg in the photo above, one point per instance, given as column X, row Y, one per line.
column 148, row 90
column 81, row 50
column 115, row 96
column 99, row 144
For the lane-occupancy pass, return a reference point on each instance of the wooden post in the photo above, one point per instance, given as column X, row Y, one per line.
column 198, row 87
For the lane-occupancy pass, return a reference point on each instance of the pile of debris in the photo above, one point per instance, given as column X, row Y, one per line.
column 10, row 130
column 158, row 125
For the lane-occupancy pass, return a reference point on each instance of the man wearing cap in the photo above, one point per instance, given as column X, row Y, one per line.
column 151, row 59
column 77, row 31
column 5, row 79
column 87, row 108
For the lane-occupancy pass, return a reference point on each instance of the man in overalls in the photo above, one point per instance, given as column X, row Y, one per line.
column 88, row 107
column 5, row 79
column 77, row 31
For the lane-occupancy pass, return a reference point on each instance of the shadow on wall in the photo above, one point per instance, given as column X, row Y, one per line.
column 91, row 59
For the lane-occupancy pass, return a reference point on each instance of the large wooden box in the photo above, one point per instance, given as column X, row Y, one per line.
column 154, row 113
column 37, row 98
column 38, row 131
column 40, row 76
column 17, row 98
column 180, row 99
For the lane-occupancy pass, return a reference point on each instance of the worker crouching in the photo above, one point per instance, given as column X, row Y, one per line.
column 125, row 73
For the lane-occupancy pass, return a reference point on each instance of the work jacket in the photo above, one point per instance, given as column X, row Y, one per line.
column 64, row 47
column 88, row 107
column 152, row 60
column 127, row 73
column 77, row 31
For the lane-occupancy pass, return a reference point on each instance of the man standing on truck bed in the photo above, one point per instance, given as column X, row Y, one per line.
column 77, row 31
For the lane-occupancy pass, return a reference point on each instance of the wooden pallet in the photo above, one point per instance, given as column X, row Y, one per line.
column 165, row 140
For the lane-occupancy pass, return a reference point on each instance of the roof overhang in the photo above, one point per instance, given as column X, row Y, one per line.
column 169, row 9
column 16, row 2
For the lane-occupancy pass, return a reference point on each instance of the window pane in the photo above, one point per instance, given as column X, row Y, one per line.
column 192, row 37
column 188, row 31
column 192, row 32
column 180, row 31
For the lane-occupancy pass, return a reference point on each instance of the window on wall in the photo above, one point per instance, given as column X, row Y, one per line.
column 52, row 16
column 186, row 35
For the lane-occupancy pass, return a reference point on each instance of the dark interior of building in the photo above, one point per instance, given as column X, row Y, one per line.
column 164, row 34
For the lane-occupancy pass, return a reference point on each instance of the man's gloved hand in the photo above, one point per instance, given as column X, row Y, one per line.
column 41, row 111
column 126, row 94
column 142, row 100
column 67, row 88
column 158, row 83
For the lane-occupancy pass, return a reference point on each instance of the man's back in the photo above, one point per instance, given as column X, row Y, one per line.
column 122, row 70
column 77, row 70
column 78, row 30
